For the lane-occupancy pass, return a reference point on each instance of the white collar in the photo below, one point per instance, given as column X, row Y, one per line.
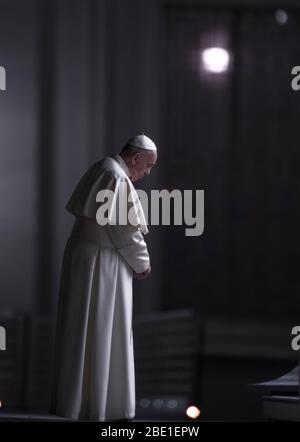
column 122, row 163
column 139, row 212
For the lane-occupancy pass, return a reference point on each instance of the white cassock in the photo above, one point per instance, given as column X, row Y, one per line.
column 94, row 374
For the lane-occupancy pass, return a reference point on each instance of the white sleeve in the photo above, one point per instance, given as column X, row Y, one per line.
column 130, row 243
column 127, row 238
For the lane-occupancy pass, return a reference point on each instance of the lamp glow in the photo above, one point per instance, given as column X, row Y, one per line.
column 215, row 60
column 193, row 412
column 281, row 17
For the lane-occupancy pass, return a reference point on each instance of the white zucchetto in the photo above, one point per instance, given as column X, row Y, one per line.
column 142, row 142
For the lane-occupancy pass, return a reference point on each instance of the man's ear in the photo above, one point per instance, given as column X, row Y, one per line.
column 136, row 157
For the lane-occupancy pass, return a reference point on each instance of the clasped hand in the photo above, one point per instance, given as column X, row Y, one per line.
column 142, row 275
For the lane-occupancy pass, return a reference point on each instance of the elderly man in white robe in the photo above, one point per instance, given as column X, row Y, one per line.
column 94, row 376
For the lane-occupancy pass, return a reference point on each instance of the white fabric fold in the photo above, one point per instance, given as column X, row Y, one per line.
column 94, row 376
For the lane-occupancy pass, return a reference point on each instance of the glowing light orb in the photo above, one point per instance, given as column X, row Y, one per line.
column 281, row 17
column 193, row 412
column 215, row 60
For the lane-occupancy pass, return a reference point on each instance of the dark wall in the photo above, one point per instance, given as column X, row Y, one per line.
column 234, row 135
column 19, row 150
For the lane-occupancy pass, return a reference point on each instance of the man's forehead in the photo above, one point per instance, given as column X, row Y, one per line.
column 151, row 157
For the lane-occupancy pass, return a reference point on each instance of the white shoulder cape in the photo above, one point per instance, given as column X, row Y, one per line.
column 106, row 174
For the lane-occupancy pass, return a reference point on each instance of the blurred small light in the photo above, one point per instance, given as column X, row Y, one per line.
column 0, row 404
column 144, row 403
column 158, row 403
column 215, row 60
column 281, row 17
column 172, row 403
column 193, row 412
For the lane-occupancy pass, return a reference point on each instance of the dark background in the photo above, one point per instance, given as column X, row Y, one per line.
column 84, row 76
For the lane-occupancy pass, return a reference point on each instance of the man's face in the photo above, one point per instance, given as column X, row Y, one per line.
column 141, row 164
